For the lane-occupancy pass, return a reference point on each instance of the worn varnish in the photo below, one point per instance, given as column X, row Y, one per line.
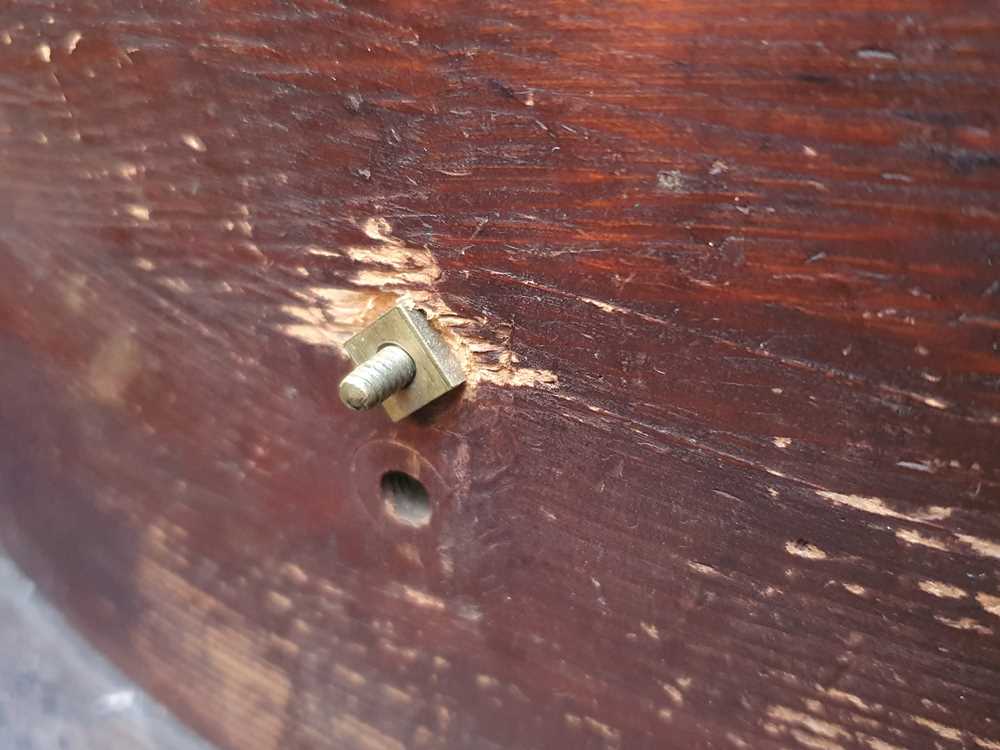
column 724, row 278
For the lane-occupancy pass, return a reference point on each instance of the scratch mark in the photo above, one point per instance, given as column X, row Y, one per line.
column 193, row 142
column 942, row 590
column 990, row 603
column 878, row 507
column 805, row 549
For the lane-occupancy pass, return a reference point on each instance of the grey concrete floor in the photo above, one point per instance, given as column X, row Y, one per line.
column 58, row 693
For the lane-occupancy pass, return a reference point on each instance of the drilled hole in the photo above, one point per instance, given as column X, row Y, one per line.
column 405, row 498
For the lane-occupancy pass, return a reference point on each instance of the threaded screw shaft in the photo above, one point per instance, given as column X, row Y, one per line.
column 373, row 381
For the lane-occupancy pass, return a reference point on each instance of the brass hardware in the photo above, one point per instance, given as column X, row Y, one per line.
column 402, row 363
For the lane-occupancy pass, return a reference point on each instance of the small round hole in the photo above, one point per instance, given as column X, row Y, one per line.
column 405, row 499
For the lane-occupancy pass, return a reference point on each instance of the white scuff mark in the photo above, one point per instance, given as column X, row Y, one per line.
column 964, row 623
column 942, row 730
column 72, row 39
column 878, row 506
column 422, row 598
column 519, row 377
column 805, row 549
column 321, row 252
column 397, row 695
column 781, row 442
column 736, row 740
column 486, row 682
column 175, row 283
column 126, row 170
column 990, row 603
column 876, row 744
column 137, row 211
column 915, row 537
column 349, row 675
column 377, row 228
column 810, row 151
column 193, row 142
column 930, row 401
column 277, row 602
column 328, row 316
column 941, row 590
column 294, row 573
column 391, row 262
column 6, row 38
column 672, row 180
column 923, row 466
column 855, row 588
column 673, row 693
column 379, row 279
column 609, row 733
column 877, row 54
column 984, row 547
column 651, row 630
column 44, row 52
column 816, row 726
column 844, row 697
column 470, row 612
column 602, row 305
column 706, row 570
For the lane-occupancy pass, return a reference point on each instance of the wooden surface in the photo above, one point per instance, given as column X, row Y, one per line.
column 725, row 280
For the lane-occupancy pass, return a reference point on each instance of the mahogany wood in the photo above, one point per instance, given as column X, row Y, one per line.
column 725, row 280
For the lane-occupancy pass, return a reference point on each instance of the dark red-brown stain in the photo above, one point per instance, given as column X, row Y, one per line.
column 731, row 270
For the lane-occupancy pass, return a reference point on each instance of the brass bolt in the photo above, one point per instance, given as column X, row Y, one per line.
column 376, row 379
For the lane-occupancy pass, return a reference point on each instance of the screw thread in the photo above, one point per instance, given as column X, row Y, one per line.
column 373, row 381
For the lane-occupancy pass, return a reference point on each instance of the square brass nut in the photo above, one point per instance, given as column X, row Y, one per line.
column 437, row 369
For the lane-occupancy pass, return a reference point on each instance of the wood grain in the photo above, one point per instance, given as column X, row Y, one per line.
column 724, row 278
